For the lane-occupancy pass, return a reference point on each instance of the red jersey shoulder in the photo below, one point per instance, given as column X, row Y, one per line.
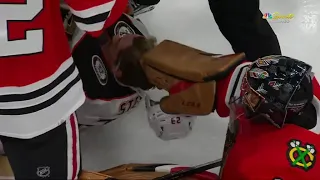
column 33, row 38
column 263, row 151
column 94, row 15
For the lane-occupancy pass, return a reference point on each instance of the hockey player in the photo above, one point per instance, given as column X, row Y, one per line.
column 255, row 149
column 283, row 89
column 40, row 87
column 275, row 91
column 107, row 99
column 272, row 106
column 270, row 126
column 268, row 136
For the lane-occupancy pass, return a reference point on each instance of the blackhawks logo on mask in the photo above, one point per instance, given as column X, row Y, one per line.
column 301, row 156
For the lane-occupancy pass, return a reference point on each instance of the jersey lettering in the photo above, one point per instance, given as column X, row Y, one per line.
column 20, row 12
column 126, row 106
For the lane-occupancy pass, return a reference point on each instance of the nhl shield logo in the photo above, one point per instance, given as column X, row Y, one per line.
column 122, row 29
column 43, row 172
column 100, row 70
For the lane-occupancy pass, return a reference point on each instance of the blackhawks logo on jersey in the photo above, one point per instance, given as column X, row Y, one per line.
column 301, row 156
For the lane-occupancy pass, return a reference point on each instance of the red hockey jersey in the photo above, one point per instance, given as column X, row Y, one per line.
column 260, row 151
column 263, row 152
column 39, row 83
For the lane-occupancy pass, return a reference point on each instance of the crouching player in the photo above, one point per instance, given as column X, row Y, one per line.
column 269, row 136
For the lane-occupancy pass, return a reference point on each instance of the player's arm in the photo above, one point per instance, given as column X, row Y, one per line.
column 95, row 15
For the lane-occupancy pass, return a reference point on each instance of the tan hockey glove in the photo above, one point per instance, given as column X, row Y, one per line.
column 188, row 74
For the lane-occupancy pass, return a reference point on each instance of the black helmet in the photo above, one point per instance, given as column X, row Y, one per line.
column 277, row 87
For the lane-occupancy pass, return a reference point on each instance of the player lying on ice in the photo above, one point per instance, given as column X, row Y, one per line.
column 108, row 100
column 274, row 102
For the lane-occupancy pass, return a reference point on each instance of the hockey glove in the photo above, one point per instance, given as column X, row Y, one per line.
column 188, row 74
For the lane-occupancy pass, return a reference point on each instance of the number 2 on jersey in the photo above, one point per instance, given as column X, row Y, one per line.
column 20, row 12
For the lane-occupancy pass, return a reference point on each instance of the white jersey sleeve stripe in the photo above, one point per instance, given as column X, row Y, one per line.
column 90, row 27
column 40, row 99
column 93, row 11
column 51, row 92
column 44, row 119
column 234, row 87
column 38, row 85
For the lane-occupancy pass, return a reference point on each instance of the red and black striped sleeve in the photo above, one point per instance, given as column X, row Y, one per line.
column 95, row 15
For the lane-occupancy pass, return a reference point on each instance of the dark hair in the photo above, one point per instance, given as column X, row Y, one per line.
column 129, row 63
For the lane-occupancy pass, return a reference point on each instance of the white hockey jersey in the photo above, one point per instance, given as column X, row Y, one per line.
column 106, row 99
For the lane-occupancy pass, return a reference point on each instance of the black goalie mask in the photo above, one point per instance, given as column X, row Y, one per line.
column 277, row 87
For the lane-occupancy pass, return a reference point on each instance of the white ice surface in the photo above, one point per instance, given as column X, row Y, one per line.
column 130, row 140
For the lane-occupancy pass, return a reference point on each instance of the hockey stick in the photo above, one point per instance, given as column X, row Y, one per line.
column 191, row 171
